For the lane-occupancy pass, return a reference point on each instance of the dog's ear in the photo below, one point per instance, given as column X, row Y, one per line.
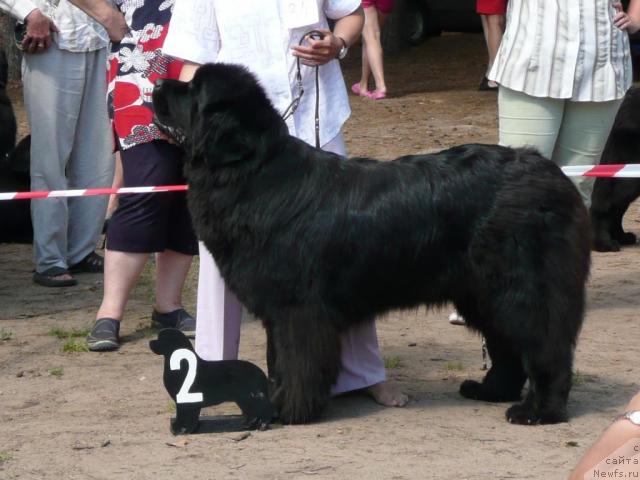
column 222, row 139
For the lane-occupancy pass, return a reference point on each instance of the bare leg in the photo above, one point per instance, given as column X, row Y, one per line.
column 171, row 273
column 373, row 21
column 121, row 272
column 493, row 27
column 366, row 70
column 118, row 181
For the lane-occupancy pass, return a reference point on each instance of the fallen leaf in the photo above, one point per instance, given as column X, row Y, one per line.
column 180, row 443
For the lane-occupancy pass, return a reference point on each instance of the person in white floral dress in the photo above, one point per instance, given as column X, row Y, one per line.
column 149, row 223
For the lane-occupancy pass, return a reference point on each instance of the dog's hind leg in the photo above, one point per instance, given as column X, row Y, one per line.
column 615, row 225
column 307, row 362
column 550, row 380
column 504, row 380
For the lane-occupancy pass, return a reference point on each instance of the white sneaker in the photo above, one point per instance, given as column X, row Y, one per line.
column 456, row 319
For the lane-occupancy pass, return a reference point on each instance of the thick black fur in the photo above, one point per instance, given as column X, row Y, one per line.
column 223, row 381
column 313, row 244
column 15, row 215
column 611, row 197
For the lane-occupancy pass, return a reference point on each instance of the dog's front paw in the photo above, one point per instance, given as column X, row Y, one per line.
column 600, row 245
column 471, row 389
column 481, row 391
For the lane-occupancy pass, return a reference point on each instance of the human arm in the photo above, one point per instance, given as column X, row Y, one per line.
column 629, row 20
column 107, row 15
column 38, row 35
column 614, row 437
column 39, row 27
column 18, row 9
column 347, row 29
column 188, row 71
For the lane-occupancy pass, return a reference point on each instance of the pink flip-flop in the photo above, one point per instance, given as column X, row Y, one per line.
column 377, row 95
column 355, row 88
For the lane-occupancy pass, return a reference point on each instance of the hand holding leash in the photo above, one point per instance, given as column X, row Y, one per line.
column 322, row 47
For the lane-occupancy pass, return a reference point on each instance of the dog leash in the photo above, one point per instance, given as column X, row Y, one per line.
column 295, row 103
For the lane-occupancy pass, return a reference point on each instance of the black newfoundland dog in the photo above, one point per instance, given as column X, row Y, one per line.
column 611, row 197
column 313, row 243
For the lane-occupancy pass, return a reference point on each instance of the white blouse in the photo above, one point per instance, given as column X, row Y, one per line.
column 259, row 34
column 566, row 49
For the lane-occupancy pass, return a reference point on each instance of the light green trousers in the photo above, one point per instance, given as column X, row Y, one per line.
column 567, row 132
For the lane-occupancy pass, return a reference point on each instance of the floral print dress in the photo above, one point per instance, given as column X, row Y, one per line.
column 133, row 67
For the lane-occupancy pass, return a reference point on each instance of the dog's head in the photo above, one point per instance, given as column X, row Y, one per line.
column 169, row 340
column 221, row 116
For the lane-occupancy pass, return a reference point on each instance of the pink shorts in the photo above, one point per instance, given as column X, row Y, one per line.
column 384, row 6
column 491, row 7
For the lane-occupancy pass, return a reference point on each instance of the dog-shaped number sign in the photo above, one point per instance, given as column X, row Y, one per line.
column 194, row 383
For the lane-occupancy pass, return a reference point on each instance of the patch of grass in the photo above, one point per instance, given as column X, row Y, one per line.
column 392, row 362
column 145, row 330
column 60, row 333
column 5, row 457
column 5, row 335
column 74, row 346
column 56, row 372
column 454, row 366
column 578, row 378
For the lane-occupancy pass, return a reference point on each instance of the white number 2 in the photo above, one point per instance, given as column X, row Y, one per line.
column 184, row 395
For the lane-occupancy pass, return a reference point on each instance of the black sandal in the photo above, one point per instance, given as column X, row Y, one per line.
column 92, row 263
column 47, row 278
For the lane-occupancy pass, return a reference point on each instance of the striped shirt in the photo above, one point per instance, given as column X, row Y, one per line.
column 565, row 49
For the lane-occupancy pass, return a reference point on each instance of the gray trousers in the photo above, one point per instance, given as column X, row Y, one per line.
column 71, row 148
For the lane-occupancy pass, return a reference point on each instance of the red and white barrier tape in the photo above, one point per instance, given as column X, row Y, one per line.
column 630, row 170
column 90, row 192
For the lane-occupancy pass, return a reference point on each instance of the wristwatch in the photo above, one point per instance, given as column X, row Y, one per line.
column 344, row 50
column 633, row 416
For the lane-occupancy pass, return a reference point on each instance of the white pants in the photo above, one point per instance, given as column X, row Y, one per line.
column 567, row 132
column 220, row 312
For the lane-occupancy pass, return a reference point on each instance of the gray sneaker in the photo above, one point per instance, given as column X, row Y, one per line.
column 179, row 319
column 104, row 336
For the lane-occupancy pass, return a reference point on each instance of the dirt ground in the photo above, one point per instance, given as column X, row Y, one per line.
column 80, row 415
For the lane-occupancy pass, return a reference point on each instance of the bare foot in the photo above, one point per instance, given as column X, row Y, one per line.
column 387, row 395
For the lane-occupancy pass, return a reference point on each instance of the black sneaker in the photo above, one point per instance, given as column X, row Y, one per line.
column 104, row 335
column 179, row 319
